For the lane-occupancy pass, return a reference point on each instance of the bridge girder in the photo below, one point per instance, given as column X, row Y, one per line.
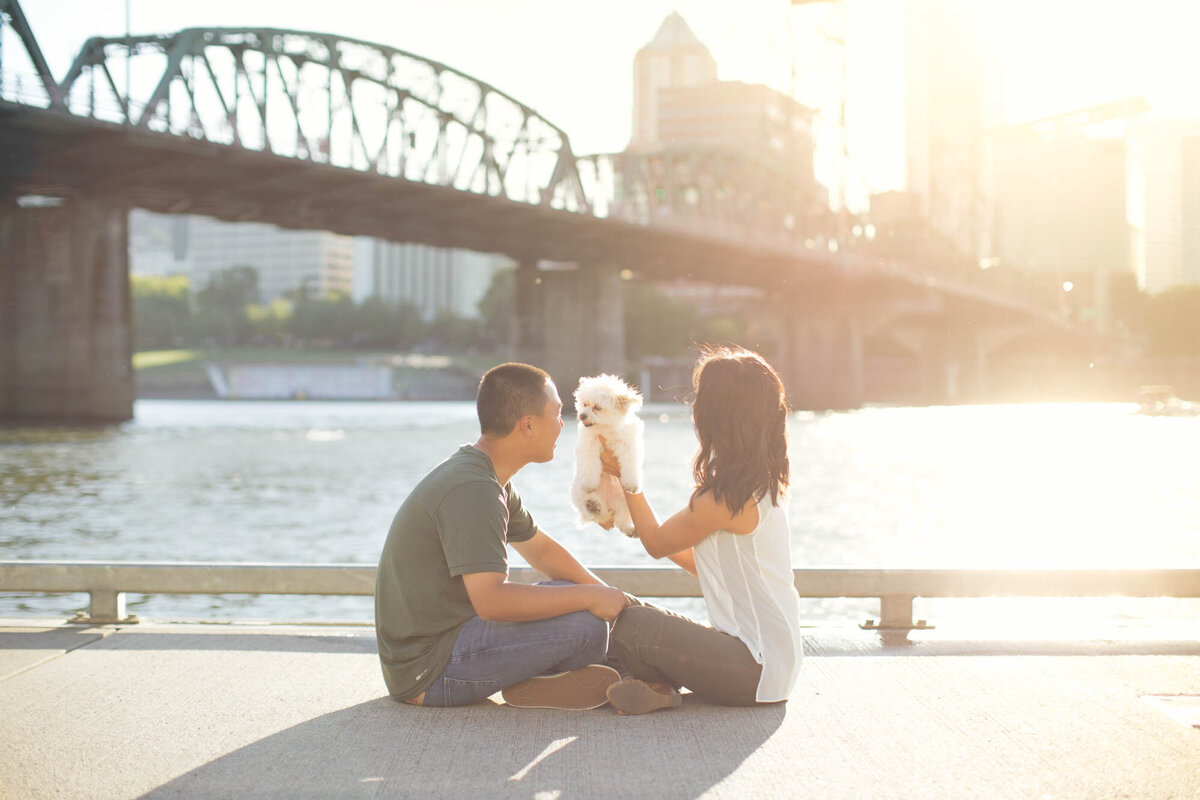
column 707, row 188
column 12, row 10
column 329, row 100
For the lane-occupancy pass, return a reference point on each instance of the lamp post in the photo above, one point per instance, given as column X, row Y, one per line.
column 128, row 58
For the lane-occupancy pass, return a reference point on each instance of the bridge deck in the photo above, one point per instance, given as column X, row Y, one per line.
column 301, row 711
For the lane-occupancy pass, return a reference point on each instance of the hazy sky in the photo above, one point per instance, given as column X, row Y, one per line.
column 572, row 60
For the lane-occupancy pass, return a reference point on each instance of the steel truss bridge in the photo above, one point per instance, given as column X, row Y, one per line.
column 311, row 130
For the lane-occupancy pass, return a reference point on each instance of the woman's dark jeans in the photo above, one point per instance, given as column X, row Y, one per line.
column 656, row 645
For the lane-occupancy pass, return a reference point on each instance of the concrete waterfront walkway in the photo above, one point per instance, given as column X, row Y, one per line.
column 214, row 710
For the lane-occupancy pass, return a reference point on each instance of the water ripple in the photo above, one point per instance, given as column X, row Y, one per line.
column 969, row 486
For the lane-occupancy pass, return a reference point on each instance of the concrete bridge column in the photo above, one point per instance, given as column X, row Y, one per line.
column 66, row 334
column 953, row 362
column 578, row 320
column 822, row 355
column 941, row 369
column 604, row 306
column 975, row 384
column 529, row 337
column 938, row 370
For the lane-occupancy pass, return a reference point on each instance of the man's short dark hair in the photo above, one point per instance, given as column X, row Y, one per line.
column 507, row 393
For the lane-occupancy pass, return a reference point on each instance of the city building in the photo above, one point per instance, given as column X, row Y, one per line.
column 318, row 262
column 674, row 58
column 954, row 93
column 752, row 118
column 1164, row 202
column 680, row 104
column 1060, row 214
column 1076, row 196
column 715, row 152
column 157, row 244
column 1061, row 203
column 435, row 280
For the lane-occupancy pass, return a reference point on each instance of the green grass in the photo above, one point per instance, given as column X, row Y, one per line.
column 193, row 359
column 150, row 359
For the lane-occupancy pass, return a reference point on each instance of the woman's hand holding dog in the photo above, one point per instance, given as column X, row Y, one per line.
column 608, row 460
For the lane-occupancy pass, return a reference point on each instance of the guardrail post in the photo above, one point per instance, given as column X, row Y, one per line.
column 107, row 607
column 895, row 619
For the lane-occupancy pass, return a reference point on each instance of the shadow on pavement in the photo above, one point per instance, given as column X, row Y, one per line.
column 317, row 642
column 386, row 748
column 832, row 647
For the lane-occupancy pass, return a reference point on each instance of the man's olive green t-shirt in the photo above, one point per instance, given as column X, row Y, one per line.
column 457, row 521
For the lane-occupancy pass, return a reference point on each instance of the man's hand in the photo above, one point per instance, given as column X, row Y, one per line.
column 609, row 602
column 495, row 599
column 608, row 460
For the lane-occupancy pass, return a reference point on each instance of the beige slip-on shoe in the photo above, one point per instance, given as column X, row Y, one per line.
column 577, row 690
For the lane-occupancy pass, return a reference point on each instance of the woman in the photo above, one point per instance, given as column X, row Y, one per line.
column 733, row 535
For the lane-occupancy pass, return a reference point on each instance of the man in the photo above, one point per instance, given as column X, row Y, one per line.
column 451, row 627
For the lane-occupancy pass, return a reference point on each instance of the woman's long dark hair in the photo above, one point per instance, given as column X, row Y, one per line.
column 740, row 414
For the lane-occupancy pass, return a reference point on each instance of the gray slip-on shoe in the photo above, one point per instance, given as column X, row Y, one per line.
column 638, row 697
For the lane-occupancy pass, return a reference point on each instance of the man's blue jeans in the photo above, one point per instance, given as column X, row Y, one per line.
column 489, row 656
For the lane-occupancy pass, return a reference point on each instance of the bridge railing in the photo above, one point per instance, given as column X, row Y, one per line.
column 24, row 88
column 108, row 582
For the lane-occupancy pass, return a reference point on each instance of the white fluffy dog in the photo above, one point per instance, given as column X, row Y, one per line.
column 607, row 407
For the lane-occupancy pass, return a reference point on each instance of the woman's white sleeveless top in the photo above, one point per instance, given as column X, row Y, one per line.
column 747, row 584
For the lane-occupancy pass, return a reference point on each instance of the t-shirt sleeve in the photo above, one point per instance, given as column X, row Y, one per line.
column 472, row 521
column 521, row 526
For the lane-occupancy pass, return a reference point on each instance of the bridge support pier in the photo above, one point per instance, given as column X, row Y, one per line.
column 822, row 356
column 66, row 336
column 571, row 321
column 529, row 332
column 953, row 362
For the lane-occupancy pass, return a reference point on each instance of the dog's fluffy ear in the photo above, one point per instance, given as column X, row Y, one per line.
column 627, row 402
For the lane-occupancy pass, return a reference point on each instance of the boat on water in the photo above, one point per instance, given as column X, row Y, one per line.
column 1161, row 401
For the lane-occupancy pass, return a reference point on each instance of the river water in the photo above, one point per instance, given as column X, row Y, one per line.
column 999, row 486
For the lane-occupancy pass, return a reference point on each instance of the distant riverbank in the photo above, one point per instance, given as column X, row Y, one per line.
column 187, row 374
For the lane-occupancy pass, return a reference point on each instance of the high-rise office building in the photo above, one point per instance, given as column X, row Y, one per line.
column 1164, row 202
column 1061, row 203
column 318, row 262
column 681, row 109
column 673, row 59
column 739, row 116
column 157, row 244
column 953, row 93
column 433, row 279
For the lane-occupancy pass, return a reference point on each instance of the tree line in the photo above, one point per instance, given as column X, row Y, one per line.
column 1171, row 322
column 228, row 311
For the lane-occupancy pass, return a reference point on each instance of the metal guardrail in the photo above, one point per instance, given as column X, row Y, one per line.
column 107, row 583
